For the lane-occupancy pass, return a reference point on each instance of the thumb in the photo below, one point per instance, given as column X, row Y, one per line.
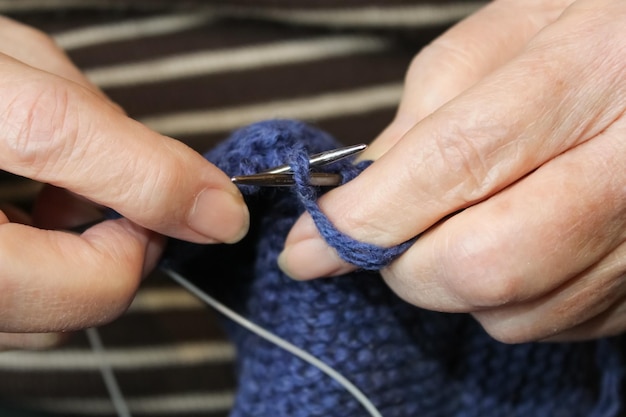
column 56, row 131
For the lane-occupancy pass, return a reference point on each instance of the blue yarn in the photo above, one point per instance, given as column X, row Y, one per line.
column 364, row 255
column 408, row 361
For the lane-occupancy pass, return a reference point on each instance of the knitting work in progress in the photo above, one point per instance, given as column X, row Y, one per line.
column 408, row 361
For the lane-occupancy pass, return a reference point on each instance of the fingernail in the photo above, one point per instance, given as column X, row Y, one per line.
column 154, row 250
column 311, row 258
column 220, row 216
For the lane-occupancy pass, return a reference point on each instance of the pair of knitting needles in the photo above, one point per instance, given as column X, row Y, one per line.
column 282, row 176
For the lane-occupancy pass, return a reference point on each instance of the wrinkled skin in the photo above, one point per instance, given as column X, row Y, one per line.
column 512, row 128
column 59, row 129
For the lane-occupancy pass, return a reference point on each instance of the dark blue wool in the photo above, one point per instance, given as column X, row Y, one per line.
column 361, row 254
column 410, row 362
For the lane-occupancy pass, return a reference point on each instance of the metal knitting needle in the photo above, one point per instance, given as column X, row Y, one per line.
column 282, row 176
column 266, row 179
column 323, row 158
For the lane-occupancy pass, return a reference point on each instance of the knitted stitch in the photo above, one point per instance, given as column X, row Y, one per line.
column 408, row 361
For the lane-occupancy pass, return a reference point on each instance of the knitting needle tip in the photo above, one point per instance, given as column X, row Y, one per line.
column 282, row 176
column 264, row 179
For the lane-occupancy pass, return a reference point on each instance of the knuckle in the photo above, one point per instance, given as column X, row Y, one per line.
column 358, row 224
column 449, row 54
column 463, row 149
column 38, row 127
column 435, row 76
column 152, row 195
column 472, row 272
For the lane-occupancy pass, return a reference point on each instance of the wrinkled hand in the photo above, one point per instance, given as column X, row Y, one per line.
column 57, row 128
column 512, row 128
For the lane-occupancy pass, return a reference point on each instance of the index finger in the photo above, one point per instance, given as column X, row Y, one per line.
column 55, row 131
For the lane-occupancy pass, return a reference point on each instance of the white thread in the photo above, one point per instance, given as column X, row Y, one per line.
column 107, row 374
column 272, row 338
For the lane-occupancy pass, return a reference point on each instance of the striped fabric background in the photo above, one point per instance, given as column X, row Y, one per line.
column 196, row 70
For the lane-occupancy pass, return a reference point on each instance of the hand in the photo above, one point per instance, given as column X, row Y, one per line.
column 58, row 128
column 512, row 129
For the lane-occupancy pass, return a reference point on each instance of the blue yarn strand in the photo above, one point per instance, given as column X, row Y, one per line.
column 365, row 255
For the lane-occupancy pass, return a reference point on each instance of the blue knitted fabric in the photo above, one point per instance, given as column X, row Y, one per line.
column 410, row 362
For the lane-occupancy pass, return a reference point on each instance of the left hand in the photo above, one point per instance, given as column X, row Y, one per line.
column 58, row 128
column 512, row 128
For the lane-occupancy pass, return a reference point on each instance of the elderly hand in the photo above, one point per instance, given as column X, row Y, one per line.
column 57, row 128
column 508, row 157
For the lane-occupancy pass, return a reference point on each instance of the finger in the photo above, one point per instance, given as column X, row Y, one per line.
column 66, row 282
column 56, row 132
column 296, row 259
column 483, row 141
column 461, row 57
column 35, row 48
column 611, row 322
column 59, row 209
column 525, row 245
column 587, row 307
